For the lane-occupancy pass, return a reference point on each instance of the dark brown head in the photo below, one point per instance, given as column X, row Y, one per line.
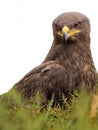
column 71, row 26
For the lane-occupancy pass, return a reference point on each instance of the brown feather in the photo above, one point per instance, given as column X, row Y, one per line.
column 68, row 66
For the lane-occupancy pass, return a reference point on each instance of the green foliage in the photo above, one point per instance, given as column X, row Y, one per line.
column 16, row 114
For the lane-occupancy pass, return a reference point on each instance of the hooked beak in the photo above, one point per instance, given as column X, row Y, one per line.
column 66, row 32
column 65, row 35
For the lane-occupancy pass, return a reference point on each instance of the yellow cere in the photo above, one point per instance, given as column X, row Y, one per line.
column 65, row 28
column 70, row 32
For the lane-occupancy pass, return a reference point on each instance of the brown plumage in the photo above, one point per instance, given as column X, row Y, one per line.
column 68, row 65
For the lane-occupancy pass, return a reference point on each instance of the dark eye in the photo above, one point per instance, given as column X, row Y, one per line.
column 77, row 24
column 58, row 28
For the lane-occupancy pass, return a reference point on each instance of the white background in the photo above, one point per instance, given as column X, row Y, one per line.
column 26, row 34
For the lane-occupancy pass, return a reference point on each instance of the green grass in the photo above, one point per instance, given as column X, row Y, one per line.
column 15, row 114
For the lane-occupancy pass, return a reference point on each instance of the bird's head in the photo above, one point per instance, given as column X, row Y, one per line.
column 70, row 27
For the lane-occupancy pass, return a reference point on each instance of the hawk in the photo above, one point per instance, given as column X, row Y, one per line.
column 68, row 66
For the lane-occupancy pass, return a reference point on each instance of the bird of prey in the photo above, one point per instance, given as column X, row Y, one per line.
column 68, row 66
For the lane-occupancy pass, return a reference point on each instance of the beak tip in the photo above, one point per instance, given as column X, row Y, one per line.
column 65, row 35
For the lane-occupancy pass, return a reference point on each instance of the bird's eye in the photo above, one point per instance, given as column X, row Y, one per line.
column 76, row 24
column 58, row 28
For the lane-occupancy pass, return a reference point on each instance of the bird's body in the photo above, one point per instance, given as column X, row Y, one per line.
column 68, row 65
